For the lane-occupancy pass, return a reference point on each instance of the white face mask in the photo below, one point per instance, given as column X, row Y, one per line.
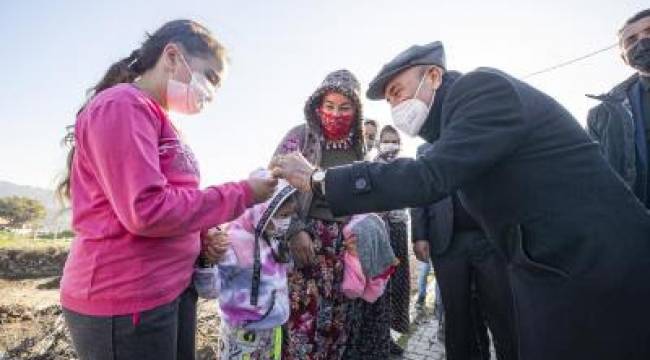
column 409, row 115
column 388, row 147
column 281, row 225
column 370, row 144
column 189, row 98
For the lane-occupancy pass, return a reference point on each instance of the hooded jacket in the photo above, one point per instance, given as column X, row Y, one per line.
column 252, row 285
column 308, row 137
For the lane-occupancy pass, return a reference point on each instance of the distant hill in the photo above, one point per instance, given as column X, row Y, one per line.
column 56, row 217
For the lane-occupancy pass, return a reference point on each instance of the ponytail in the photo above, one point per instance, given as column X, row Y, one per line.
column 123, row 71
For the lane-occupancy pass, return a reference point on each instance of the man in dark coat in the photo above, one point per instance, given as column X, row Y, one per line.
column 472, row 276
column 576, row 239
column 621, row 122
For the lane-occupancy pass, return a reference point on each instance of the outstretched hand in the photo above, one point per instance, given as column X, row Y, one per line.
column 295, row 169
column 263, row 187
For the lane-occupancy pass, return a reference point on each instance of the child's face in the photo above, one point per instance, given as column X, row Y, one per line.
column 286, row 211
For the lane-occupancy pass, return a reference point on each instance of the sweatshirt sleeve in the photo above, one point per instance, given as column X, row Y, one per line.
column 121, row 142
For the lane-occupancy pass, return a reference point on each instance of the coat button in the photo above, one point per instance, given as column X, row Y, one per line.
column 361, row 184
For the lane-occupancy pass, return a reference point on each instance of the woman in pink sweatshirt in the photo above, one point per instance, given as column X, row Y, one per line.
column 137, row 208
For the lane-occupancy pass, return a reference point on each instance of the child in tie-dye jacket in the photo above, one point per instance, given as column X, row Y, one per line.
column 252, row 279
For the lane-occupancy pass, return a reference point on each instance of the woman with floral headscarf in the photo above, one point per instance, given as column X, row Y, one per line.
column 331, row 136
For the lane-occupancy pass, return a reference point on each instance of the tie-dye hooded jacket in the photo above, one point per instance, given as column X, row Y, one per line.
column 239, row 304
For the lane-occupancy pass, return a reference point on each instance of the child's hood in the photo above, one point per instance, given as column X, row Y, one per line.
column 253, row 222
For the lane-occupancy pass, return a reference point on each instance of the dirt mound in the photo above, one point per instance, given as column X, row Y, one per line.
column 31, row 320
column 30, row 334
column 36, row 335
column 32, row 326
column 30, row 264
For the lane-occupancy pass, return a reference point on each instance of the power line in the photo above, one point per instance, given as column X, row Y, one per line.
column 569, row 62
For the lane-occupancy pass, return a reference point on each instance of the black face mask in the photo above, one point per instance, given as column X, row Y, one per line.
column 639, row 55
column 431, row 129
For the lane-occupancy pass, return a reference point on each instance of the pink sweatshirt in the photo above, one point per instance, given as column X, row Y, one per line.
column 137, row 210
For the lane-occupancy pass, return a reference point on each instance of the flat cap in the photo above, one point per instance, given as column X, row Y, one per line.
column 429, row 54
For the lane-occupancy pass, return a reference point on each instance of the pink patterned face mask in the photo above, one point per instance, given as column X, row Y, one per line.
column 335, row 127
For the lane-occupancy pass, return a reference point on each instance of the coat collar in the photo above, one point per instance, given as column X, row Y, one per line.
column 619, row 92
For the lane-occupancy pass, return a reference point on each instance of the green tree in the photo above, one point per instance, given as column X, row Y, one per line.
column 18, row 210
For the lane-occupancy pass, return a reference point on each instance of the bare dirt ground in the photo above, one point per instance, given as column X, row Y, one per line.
column 31, row 325
column 31, row 322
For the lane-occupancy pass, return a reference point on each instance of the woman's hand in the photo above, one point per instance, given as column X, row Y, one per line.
column 350, row 245
column 262, row 188
column 295, row 169
column 214, row 244
column 302, row 249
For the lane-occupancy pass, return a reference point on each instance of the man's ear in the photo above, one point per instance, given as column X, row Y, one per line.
column 624, row 57
column 435, row 75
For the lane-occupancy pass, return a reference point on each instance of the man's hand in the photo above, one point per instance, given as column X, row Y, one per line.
column 302, row 249
column 295, row 169
column 421, row 250
column 214, row 244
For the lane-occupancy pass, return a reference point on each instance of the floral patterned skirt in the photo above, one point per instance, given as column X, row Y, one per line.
column 318, row 326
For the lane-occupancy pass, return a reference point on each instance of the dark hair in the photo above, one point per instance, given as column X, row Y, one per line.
column 389, row 129
column 370, row 122
column 290, row 200
column 638, row 16
column 194, row 38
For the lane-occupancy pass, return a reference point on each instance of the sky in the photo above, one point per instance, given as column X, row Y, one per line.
column 52, row 51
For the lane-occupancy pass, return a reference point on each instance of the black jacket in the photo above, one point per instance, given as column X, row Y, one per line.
column 433, row 223
column 616, row 124
column 576, row 239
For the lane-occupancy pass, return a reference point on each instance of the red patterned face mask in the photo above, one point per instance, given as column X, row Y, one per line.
column 335, row 127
